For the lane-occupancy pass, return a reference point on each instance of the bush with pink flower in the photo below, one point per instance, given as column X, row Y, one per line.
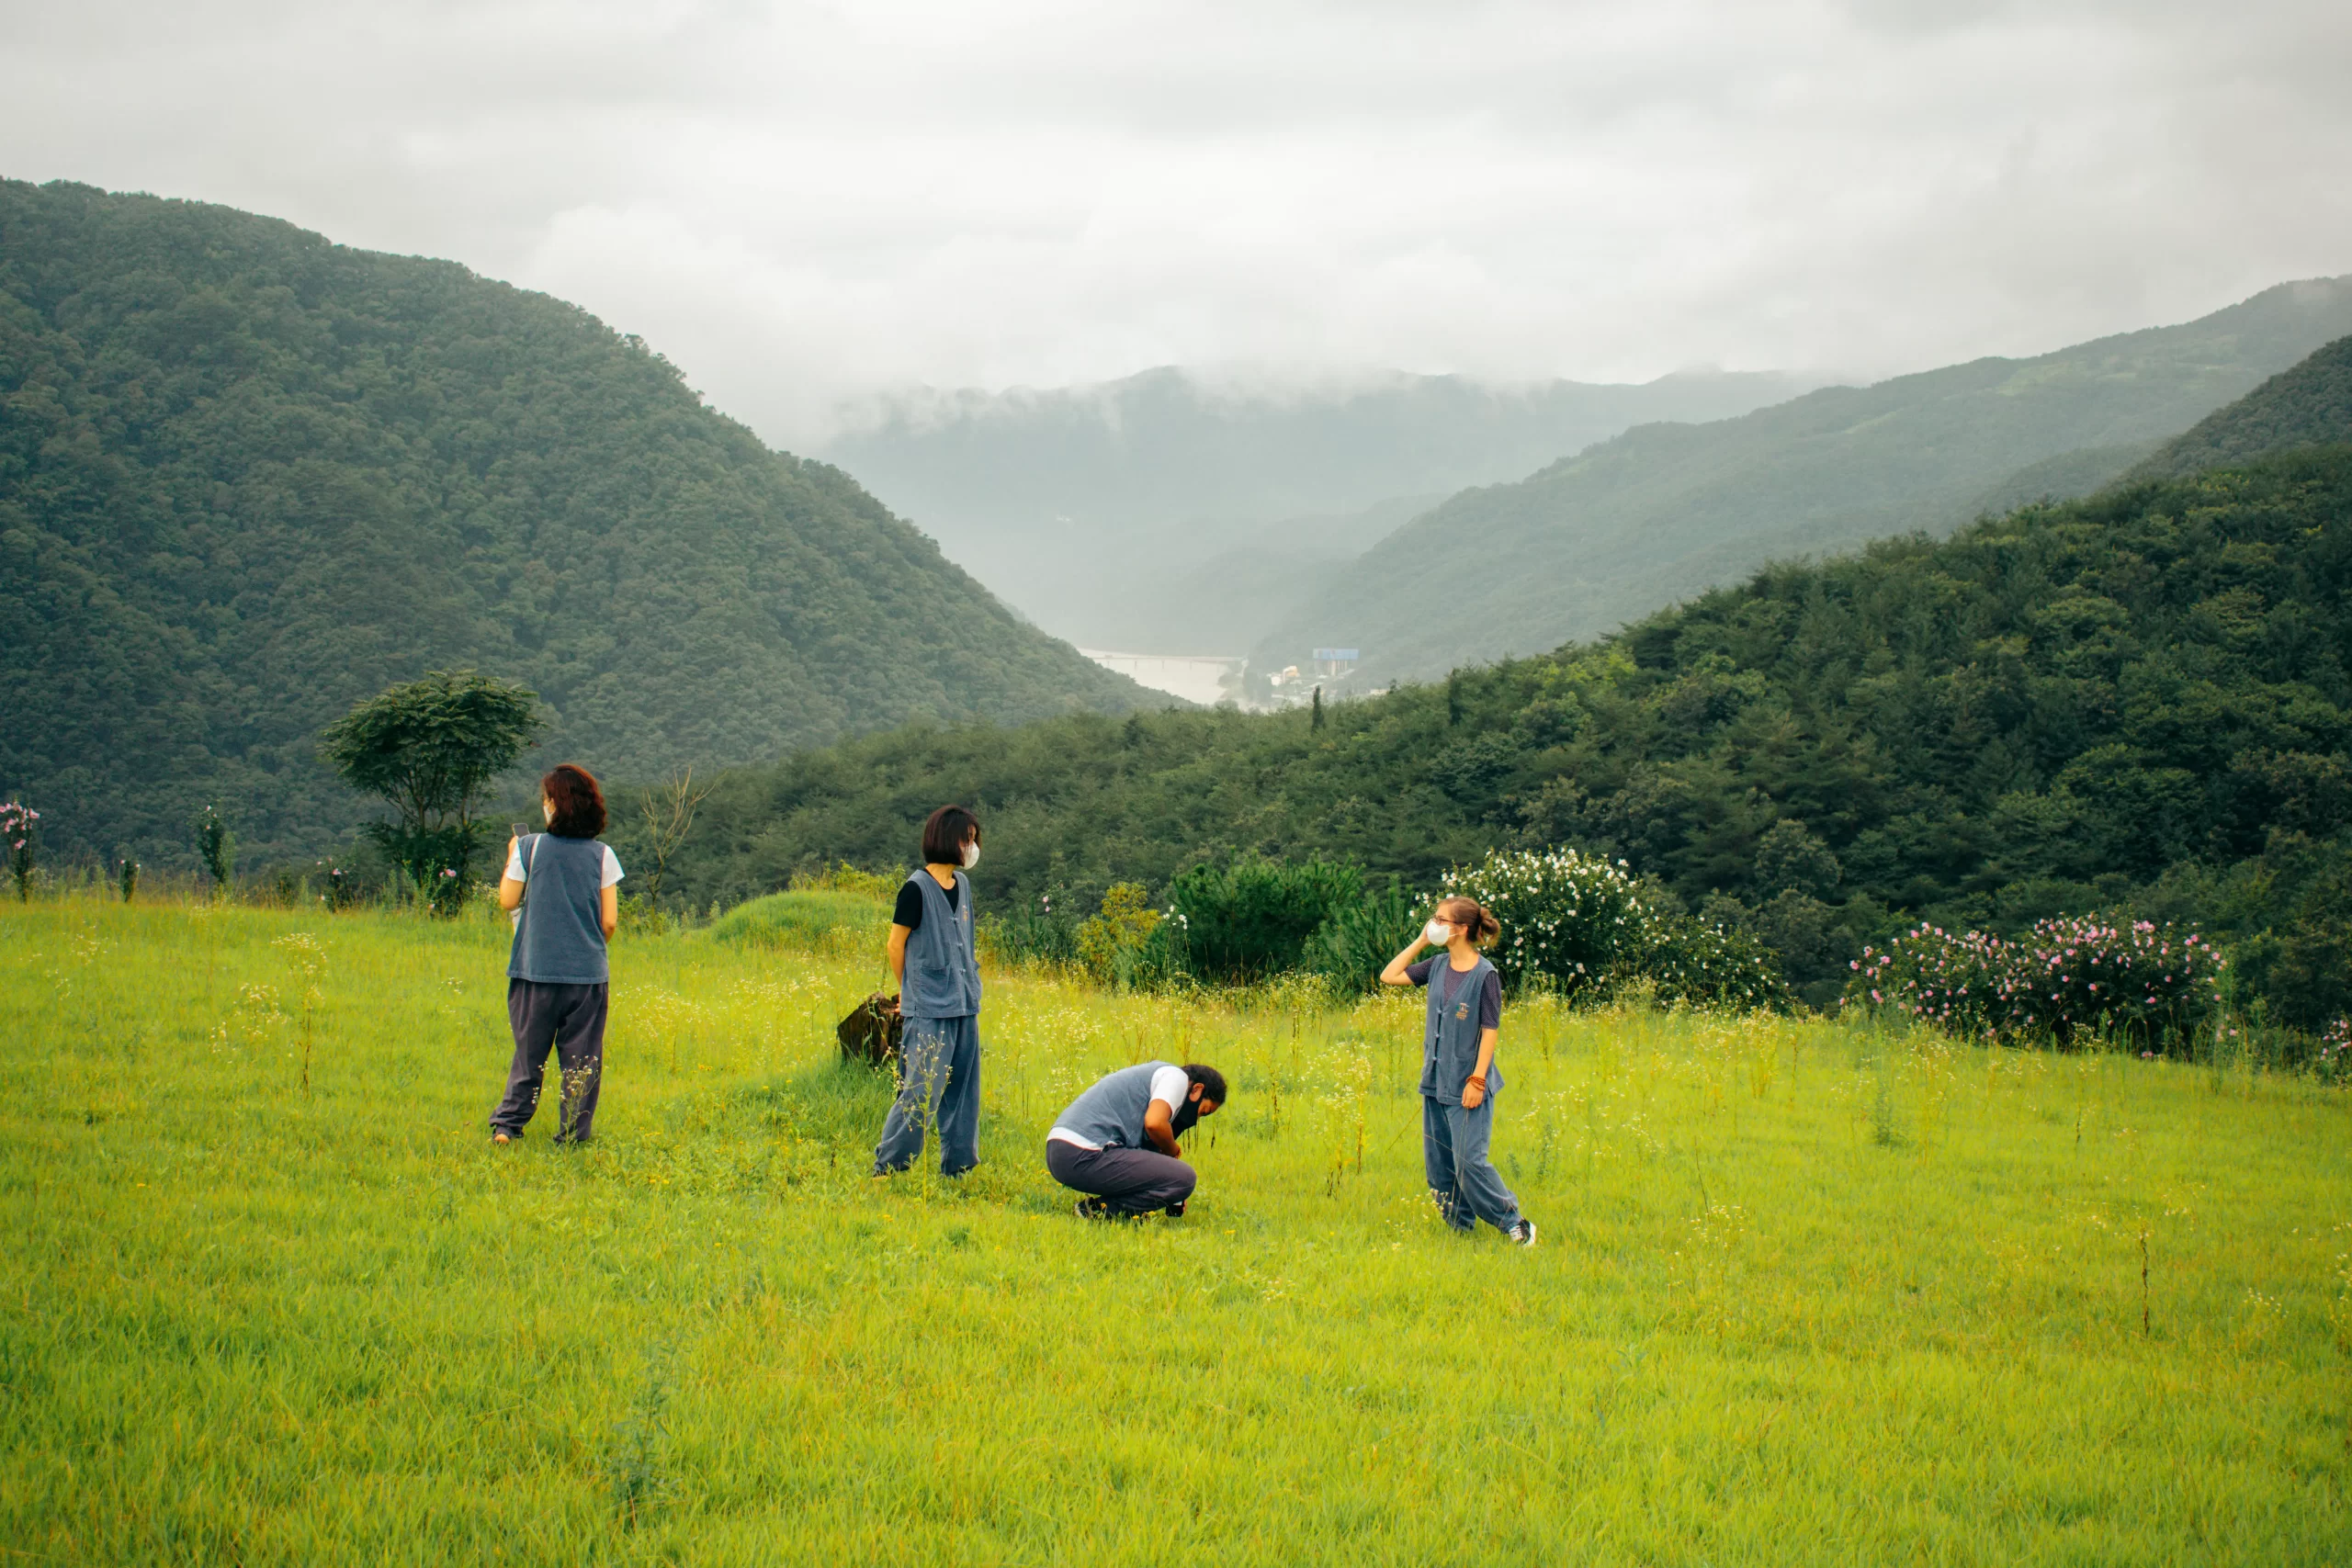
column 18, row 823
column 2129, row 980
column 2333, row 1057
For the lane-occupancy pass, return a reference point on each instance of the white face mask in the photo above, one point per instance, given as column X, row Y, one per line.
column 971, row 854
column 1438, row 933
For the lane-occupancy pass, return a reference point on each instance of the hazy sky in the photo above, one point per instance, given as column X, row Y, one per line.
column 802, row 203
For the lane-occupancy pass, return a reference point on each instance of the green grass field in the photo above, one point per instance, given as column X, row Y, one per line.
column 1807, row 1292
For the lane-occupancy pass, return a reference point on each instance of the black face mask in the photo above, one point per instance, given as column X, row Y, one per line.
column 1186, row 1115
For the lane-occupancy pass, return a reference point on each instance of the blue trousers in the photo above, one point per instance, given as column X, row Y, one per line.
column 940, row 1058
column 1464, row 1181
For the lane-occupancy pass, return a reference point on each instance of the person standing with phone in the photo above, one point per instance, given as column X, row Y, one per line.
column 1459, row 1077
column 931, row 952
column 562, row 887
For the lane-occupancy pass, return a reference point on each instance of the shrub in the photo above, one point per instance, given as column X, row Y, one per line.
column 1705, row 965
column 16, row 825
column 1356, row 941
column 843, row 877
column 1570, row 922
column 1114, row 947
column 2131, row 980
column 1254, row 917
column 2334, row 1058
column 803, row 918
column 1044, row 935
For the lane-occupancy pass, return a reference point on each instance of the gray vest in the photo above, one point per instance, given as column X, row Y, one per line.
column 1111, row 1113
column 1449, row 1043
column 943, row 978
column 560, row 939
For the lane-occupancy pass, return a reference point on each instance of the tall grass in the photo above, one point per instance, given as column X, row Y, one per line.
column 1806, row 1291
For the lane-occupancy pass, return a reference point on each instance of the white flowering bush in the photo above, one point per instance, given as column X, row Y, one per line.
column 1695, row 961
column 1578, row 924
column 2132, row 980
column 1576, row 919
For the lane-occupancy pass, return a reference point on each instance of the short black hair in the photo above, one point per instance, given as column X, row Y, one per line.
column 944, row 835
column 1212, row 1082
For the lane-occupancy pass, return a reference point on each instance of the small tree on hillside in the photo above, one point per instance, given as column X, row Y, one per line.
column 216, row 846
column 430, row 748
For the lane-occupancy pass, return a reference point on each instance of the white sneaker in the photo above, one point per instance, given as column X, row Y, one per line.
column 1521, row 1233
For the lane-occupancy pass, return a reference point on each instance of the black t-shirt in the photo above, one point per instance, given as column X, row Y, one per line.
column 909, row 911
column 1490, row 1000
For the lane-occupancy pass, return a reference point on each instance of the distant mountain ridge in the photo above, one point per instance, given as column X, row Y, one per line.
column 248, row 476
column 1665, row 511
column 2307, row 405
column 1096, row 509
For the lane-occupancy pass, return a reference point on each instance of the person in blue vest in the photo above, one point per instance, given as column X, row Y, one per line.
column 939, row 997
column 564, row 882
column 1459, row 1077
column 1116, row 1143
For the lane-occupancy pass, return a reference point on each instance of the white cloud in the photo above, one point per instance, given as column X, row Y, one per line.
column 799, row 203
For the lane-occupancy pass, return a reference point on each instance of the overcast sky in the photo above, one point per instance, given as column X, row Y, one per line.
column 804, row 203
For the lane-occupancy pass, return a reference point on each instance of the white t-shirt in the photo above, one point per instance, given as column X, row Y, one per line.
column 515, row 865
column 1169, row 1086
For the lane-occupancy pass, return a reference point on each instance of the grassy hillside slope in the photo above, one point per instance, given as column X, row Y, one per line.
column 248, row 476
column 1803, row 1292
column 1666, row 512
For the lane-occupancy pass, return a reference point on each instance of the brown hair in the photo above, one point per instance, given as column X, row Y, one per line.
column 579, row 804
column 1477, row 922
column 945, row 834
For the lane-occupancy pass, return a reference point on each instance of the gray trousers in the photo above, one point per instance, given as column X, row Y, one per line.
column 569, row 1020
column 939, row 1086
column 1464, row 1181
column 1124, row 1181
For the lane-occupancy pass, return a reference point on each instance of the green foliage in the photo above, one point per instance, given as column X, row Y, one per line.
column 805, row 918
column 248, row 478
column 1252, row 917
column 2309, row 404
column 2141, row 700
column 429, row 748
column 1351, row 947
column 1117, row 947
column 1687, row 959
column 216, row 846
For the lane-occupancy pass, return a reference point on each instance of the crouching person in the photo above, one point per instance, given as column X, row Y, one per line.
column 1117, row 1141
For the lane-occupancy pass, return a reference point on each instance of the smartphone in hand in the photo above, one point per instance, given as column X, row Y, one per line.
column 522, row 829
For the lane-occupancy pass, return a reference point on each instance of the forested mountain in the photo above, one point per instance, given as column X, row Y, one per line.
column 1665, row 511
column 2308, row 404
column 2139, row 700
column 248, row 476
column 1166, row 513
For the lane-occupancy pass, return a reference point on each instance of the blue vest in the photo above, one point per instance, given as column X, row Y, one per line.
column 1449, row 1043
column 560, row 939
column 1111, row 1113
column 943, row 978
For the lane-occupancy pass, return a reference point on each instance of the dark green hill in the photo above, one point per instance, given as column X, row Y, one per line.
column 1665, row 511
column 2309, row 405
column 2142, row 698
column 248, row 476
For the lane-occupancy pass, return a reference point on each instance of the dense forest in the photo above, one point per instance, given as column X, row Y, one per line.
column 1665, row 511
column 248, row 477
column 2139, row 701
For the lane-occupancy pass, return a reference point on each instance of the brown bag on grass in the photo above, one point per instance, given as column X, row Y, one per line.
column 871, row 1032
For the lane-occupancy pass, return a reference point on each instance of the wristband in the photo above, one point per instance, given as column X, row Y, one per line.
column 1478, row 1078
